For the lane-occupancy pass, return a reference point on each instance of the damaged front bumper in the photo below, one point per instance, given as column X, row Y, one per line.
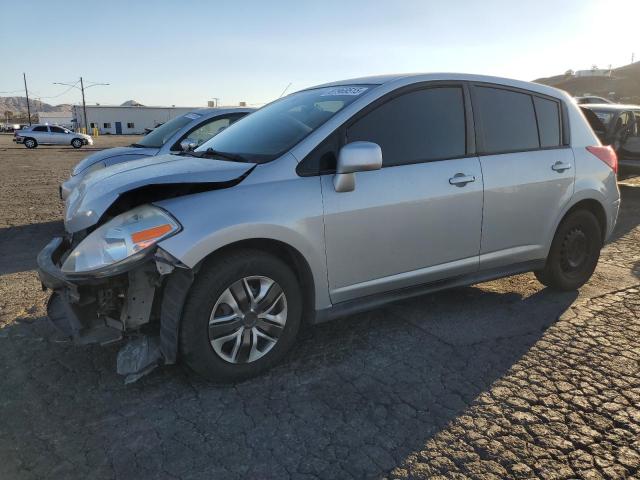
column 127, row 304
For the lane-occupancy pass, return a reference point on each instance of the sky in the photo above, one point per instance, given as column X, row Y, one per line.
column 184, row 53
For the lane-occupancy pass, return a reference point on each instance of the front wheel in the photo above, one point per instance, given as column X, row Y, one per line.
column 30, row 143
column 574, row 252
column 241, row 317
column 76, row 143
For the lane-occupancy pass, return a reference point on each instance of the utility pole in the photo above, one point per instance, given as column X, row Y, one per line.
column 633, row 56
column 82, row 89
column 84, row 108
column 26, row 92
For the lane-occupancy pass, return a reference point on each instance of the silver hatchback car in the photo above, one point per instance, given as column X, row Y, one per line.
column 330, row 201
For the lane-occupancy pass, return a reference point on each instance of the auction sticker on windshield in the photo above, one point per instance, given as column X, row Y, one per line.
column 345, row 91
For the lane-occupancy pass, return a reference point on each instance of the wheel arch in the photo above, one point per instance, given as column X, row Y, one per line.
column 281, row 250
column 591, row 205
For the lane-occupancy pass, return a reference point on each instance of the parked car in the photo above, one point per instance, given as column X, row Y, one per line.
column 591, row 99
column 329, row 201
column 618, row 126
column 34, row 135
column 186, row 131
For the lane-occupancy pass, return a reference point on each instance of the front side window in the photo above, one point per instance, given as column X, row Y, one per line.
column 57, row 130
column 276, row 128
column 548, row 115
column 162, row 134
column 209, row 129
column 507, row 120
column 415, row 127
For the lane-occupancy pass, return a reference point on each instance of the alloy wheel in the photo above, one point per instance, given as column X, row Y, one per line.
column 247, row 319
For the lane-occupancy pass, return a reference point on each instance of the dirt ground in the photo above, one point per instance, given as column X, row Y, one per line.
column 501, row 380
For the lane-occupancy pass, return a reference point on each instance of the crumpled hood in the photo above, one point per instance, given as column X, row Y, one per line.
column 102, row 155
column 100, row 189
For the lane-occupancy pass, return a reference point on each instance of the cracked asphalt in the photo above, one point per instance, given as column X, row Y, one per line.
column 501, row 380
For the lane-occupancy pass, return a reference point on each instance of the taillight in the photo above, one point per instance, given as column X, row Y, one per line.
column 607, row 155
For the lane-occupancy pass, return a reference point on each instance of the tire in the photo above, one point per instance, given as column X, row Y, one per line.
column 30, row 143
column 574, row 252
column 204, row 348
column 76, row 143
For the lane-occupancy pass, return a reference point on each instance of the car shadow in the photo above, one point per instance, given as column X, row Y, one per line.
column 353, row 398
column 21, row 244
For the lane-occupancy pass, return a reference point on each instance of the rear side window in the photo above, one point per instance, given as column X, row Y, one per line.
column 548, row 114
column 40, row 129
column 415, row 127
column 508, row 120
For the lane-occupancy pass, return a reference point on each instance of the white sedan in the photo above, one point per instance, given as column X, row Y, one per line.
column 35, row 135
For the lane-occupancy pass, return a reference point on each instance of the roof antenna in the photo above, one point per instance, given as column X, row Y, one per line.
column 285, row 90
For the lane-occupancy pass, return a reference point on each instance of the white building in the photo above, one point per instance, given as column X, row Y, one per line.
column 125, row 120
column 56, row 118
column 594, row 72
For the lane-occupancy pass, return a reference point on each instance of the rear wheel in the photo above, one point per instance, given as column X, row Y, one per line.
column 242, row 316
column 76, row 143
column 30, row 143
column 574, row 252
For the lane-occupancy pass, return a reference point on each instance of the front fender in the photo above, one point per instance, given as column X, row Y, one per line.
column 288, row 211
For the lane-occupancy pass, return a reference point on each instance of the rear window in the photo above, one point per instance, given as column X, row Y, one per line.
column 548, row 114
column 40, row 129
column 508, row 120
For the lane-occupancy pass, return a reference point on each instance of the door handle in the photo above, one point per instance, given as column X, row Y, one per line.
column 560, row 167
column 460, row 179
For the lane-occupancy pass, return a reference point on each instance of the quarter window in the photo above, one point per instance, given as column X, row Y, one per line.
column 548, row 115
column 508, row 121
column 415, row 127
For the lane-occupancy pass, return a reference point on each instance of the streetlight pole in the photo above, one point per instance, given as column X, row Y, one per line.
column 82, row 89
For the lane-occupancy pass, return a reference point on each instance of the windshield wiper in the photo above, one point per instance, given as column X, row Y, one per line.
column 210, row 152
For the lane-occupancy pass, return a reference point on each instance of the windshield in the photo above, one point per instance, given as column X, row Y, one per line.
column 159, row 136
column 274, row 129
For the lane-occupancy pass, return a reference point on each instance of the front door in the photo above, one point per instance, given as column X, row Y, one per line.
column 412, row 222
column 528, row 173
column 118, row 128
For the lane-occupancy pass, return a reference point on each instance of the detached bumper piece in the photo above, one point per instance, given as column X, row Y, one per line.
column 91, row 310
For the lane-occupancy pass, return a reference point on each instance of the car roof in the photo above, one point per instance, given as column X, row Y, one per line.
column 611, row 107
column 409, row 78
column 222, row 110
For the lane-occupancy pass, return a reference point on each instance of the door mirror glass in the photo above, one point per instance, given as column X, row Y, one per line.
column 355, row 157
column 188, row 145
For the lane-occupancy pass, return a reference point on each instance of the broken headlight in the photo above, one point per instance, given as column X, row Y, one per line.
column 122, row 240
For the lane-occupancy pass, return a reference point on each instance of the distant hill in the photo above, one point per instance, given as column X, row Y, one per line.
column 624, row 81
column 131, row 103
column 18, row 105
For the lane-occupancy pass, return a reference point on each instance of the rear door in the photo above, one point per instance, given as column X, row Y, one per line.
column 413, row 221
column 528, row 171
